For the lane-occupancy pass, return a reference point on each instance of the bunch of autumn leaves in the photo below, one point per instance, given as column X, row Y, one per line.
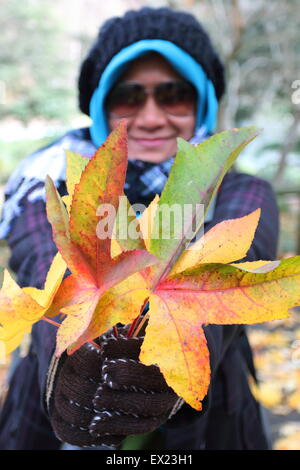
column 113, row 278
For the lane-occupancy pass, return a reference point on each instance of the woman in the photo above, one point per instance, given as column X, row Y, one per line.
column 157, row 69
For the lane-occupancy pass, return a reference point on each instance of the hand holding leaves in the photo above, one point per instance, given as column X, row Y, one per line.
column 186, row 289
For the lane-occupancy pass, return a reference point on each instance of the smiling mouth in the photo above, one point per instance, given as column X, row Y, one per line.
column 152, row 142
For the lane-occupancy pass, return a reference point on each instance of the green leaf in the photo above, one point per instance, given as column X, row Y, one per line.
column 194, row 179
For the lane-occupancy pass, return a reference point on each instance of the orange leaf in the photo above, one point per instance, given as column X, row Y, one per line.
column 146, row 221
column 120, row 304
column 59, row 219
column 18, row 311
column 76, row 163
column 227, row 295
column 82, row 302
column 126, row 264
column 94, row 271
column 44, row 297
column 97, row 186
column 72, row 290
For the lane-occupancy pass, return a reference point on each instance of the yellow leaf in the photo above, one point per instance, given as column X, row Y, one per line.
column 75, row 323
column 175, row 341
column 268, row 394
column 115, row 248
column 226, row 242
column 59, row 219
column 126, row 229
column 76, row 163
column 55, row 275
column 21, row 307
column 18, row 311
column 12, row 334
column 146, row 221
column 226, row 295
column 209, row 294
column 67, row 200
column 257, row 266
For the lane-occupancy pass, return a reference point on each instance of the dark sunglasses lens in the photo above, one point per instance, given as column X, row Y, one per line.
column 177, row 98
column 125, row 100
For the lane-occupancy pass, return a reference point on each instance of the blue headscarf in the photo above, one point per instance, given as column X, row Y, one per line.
column 183, row 63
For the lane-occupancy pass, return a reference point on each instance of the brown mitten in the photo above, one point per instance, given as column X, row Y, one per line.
column 101, row 396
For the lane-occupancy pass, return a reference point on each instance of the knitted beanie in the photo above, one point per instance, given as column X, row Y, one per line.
column 181, row 28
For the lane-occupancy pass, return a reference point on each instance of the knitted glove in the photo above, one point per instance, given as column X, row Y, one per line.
column 101, row 396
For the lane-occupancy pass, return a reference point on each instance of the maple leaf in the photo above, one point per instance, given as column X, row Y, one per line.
column 126, row 304
column 213, row 293
column 20, row 307
column 188, row 289
column 76, row 163
column 99, row 182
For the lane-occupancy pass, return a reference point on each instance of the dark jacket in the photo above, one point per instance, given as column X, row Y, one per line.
column 231, row 416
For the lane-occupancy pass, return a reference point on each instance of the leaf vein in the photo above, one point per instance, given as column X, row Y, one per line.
column 180, row 340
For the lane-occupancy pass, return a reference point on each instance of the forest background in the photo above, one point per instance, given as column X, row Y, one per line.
column 42, row 46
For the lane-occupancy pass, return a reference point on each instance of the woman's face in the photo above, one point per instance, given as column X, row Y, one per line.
column 152, row 132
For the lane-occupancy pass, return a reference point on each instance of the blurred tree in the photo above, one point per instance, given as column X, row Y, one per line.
column 259, row 42
column 35, row 64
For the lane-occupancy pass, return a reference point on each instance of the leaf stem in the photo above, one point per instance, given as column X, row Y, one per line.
column 116, row 332
column 52, row 322
column 95, row 345
column 132, row 326
column 135, row 321
column 141, row 324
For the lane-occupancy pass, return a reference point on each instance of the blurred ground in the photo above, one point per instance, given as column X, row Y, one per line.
column 276, row 347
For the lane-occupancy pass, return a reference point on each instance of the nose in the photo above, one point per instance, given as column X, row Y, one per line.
column 151, row 115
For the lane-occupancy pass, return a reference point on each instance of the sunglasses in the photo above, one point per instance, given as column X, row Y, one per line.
column 177, row 98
